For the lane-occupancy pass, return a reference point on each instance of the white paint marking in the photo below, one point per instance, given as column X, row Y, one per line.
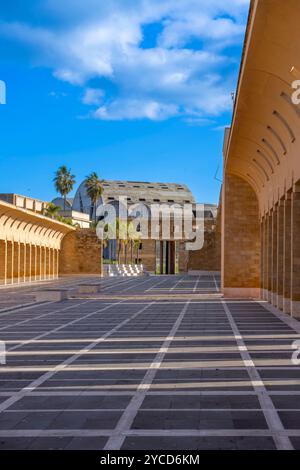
column 273, row 420
column 43, row 378
column 116, row 440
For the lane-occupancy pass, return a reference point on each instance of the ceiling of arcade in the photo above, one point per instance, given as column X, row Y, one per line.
column 264, row 145
column 23, row 226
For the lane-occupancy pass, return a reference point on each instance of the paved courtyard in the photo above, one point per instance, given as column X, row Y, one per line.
column 149, row 363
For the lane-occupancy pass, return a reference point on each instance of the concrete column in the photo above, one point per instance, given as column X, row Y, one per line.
column 265, row 273
column 53, row 263
column 270, row 255
column 38, row 263
column 34, row 263
column 16, row 261
column 295, row 252
column 262, row 256
column 287, row 255
column 44, row 262
column 23, row 262
column 57, row 263
column 50, row 263
column 3, row 261
column 29, row 263
column 10, row 261
column 274, row 255
column 280, row 249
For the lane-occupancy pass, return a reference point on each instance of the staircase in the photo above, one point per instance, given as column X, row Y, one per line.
column 124, row 270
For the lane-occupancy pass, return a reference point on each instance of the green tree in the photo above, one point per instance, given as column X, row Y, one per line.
column 64, row 182
column 137, row 243
column 51, row 210
column 94, row 190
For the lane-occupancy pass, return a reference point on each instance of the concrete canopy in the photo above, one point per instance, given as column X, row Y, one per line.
column 263, row 146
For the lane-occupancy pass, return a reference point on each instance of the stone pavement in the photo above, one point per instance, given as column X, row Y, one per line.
column 155, row 374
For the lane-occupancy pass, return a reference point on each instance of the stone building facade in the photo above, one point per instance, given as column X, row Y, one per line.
column 260, row 193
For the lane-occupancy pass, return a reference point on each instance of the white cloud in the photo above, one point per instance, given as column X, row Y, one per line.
column 88, row 40
column 136, row 109
column 93, row 96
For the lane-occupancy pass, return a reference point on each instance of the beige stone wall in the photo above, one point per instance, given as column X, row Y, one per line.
column 183, row 257
column 81, row 253
column 209, row 257
column 241, row 244
column 29, row 245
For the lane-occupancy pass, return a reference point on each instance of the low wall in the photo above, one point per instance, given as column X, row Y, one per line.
column 81, row 253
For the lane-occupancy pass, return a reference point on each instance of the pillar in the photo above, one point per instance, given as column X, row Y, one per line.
column 295, row 252
column 270, row 255
column 3, row 261
column 16, row 262
column 287, row 255
column 280, row 255
column 22, row 262
column 274, row 255
column 10, row 261
column 262, row 256
column 265, row 252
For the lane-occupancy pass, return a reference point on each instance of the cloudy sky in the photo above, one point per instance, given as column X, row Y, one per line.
column 134, row 89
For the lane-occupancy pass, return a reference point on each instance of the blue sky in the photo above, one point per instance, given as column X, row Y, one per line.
column 132, row 89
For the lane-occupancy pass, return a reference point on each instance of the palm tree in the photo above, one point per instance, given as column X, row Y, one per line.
column 64, row 182
column 94, row 190
column 51, row 210
column 137, row 243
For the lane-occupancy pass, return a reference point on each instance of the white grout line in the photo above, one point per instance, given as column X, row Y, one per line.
column 116, row 440
column 96, row 393
column 154, row 286
column 61, row 327
column 196, row 284
column 147, row 433
column 147, row 410
column 273, row 420
column 22, row 322
column 44, row 377
column 212, row 432
column 175, row 285
column 217, row 287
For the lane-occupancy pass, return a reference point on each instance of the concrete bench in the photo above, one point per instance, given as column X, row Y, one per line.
column 88, row 289
column 51, row 295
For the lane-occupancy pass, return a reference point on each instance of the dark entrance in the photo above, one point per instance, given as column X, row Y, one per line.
column 167, row 255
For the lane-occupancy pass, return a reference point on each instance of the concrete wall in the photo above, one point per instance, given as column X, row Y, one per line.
column 241, row 239
column 81, row 253
column 209, row 257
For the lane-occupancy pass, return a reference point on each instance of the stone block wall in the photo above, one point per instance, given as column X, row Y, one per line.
column 209, row 257
column 241, row 242
column 81, row 253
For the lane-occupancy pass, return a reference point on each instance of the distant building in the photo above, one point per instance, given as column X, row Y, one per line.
column 163, row 256
column 135, row 192
column 24, row 202
column 78, row 218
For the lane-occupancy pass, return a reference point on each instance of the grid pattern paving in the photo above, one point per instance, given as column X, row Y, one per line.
column 161, row 374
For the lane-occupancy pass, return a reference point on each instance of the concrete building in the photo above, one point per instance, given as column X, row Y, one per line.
column 80, row 219
column 261, row 190
column 162, row 255
column 30, row 245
